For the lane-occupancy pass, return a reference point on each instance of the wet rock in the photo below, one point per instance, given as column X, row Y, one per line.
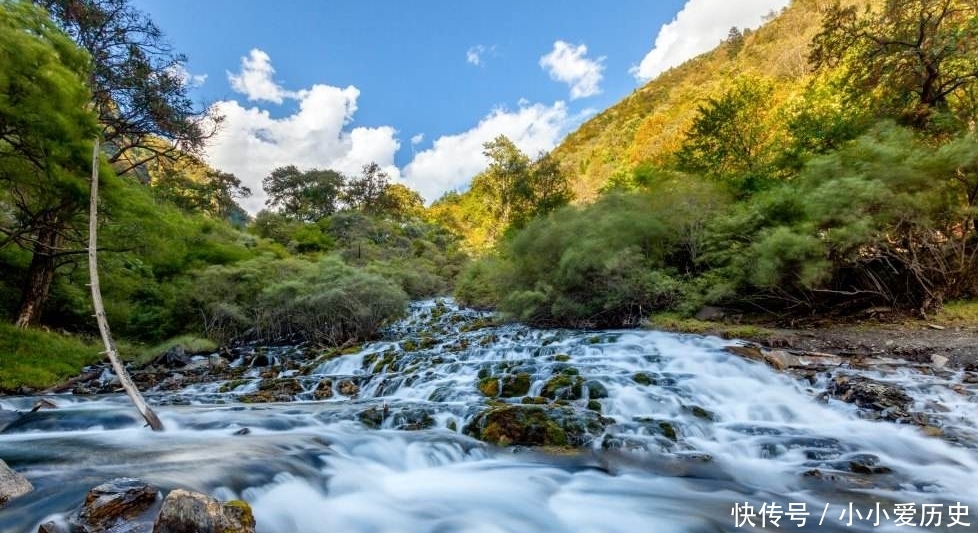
column 596, row 390
column 888, row 400
column 12, row 484
column 536, row 426
column 516, row 385
column 564, row 387
column 594, row 405
column 243, row 431
column 191, row 512
column 274, row 390
column 116, row 502
column 534, row 400
column 643, row 379
column 777, row 359
column 349, row 388
column 489, row 386
column 866, row 464
column 372, row 417
column 324, row 390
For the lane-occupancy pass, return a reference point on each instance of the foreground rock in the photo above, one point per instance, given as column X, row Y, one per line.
column 888, row 401
column 127, row 505
column 12, row 484
column 191, row 512
column 121, row 505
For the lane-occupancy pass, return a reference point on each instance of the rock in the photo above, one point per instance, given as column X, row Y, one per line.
column 777, row 359
column 939, row 361
column 324, row 390
column 115, row 502
column 596, row 390
column 12, row 484
column 564, row 387
column 890, row 401
column 175, row 357
column 191, row 512
column 643, row 379
column 531, row 425
column 349, row 388
column 516, row 385
column 274, row 390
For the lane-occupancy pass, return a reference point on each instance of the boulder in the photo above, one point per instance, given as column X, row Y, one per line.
column 184, row 511
column 117, row 501
column 891, row 402
column 12, row 484
column 532, row 425
column 349, row 388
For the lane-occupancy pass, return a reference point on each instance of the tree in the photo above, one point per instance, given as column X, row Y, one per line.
column 400, row 201
column 731, row 136
column 305, row 196
column 46, row 129
column 364, row 192
column 139, row 87
column 210, row 191
column 911, row 57
column 735, row 42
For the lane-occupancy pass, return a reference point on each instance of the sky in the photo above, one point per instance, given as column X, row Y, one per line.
column 419, row 86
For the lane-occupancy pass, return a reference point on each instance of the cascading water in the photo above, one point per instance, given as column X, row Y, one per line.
column 686, row 432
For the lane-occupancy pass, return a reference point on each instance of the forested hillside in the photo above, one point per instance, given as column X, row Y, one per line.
column 331, row 260
column 822, row 164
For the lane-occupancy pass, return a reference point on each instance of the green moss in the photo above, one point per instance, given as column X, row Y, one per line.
column 561, row 358
column 534, row 400
column 643, row 379
column 489, row 386
column 668, row 431
column 231, row 385
column 563, row 386
column 594, row 405
column 531, row 426
column 38, row 359
column 452, row 425
column 516, row 385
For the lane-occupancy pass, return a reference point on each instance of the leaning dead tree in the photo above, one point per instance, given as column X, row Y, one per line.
column 103, row 323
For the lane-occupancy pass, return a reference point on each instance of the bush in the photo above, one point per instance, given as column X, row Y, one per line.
column 267, row 299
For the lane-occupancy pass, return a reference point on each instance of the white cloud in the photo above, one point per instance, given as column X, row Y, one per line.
column 567, row 63
column 454, row 159
column 417, row 139
column 255, row 79
column 188, row 79
column 475, row 54
column 699, row 27
column 251, row 143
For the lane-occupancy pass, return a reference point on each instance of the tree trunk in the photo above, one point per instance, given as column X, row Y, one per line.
column 103, row 323
column 40, row 275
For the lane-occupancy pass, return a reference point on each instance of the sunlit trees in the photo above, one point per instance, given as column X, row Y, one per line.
column 910, row 58
column 308, row 196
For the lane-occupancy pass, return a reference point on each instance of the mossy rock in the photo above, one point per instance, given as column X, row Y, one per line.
column 561, row 358
column 596, row 390
column 489, row 386
column 378, row 362
column 643, row 379
column 372, row 418
column 324, row 390
column 564, row 387
column 231, row 385
column 534, row 400
column 668, row 431
column 594, row 405
column 532, row 425
column 510, row 424
column 699, row 412
column 516, row 385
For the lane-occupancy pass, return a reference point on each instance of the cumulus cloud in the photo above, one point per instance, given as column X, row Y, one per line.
column 700, row 26
column 256, row 79
column 475, row 54
column 190, row 80
column 251, row 143
column 568, row 63
column 454, row 159
column 417, row 139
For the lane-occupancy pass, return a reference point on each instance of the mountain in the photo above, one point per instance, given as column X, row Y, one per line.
column 649, row 125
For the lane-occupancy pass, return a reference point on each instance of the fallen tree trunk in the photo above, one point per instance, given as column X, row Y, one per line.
column 103, row 324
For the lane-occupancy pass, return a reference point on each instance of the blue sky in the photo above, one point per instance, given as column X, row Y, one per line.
column 419, row 86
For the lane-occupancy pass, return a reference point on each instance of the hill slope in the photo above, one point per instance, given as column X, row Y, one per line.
column 649, row 124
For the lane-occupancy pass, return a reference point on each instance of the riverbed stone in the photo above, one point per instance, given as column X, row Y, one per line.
column 888, row 400
column 12, row 484
column 532, row 425
column 117, row 501
column 184, row 511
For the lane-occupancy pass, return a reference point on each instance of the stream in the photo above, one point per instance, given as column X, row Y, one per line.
column 687, row 437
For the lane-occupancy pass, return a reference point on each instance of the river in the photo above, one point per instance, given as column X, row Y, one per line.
column 690, row 435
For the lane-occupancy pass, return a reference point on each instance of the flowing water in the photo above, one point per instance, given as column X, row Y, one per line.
column 689, row 432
